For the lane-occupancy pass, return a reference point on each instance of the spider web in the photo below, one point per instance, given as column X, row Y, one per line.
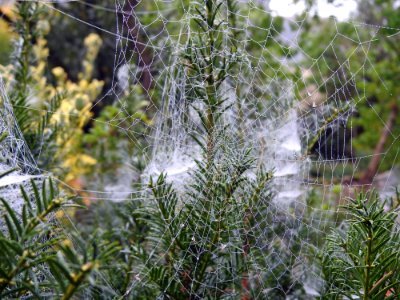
column 16, row 161
column 281, row 119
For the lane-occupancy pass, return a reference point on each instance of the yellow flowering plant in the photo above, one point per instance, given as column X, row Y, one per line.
column 60, row 109
column 74, row 111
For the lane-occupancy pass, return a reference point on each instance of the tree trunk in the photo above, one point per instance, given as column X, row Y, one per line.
column 138, row 45
column 373, row 166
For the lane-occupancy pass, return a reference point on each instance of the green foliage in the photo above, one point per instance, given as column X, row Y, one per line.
column 361, row 260
column 29, row 14
column 219, row 236
column 34, row 125
column 37, row 257
column 109, row 135
column 363, row 60
column 205, row 240
column 199, row 243
column 5, row 44
column 208, row 58
column 41, row 139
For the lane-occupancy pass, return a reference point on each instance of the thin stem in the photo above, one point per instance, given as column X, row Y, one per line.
column 4, row 282
column 78, row 280
column 230, row 190
column 368, row 264
column 210, row 83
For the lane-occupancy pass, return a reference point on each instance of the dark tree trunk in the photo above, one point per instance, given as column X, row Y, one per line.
column 138, row 45
column 373, row 166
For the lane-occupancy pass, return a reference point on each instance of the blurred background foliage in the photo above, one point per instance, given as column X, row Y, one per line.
column 63, row 47
column 86, row 115
column 375, row 123
column 89, row 111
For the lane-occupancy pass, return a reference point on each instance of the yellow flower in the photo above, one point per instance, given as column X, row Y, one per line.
column 78, row 164
column 87, row 160
column 43, row 27
column 59, row 72
column 93, row 40
column 59, row 214
column 83, row 84
column 67, row 243
column 40, row 50
column 92, row 43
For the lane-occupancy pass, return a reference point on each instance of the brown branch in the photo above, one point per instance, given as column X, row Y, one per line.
column 373, row 166
column 145, row 56
column 6, row 18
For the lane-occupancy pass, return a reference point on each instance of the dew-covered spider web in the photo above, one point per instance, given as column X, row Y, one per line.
column 17, row 165
column 290, row 107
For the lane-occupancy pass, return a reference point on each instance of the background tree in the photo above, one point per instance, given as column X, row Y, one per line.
column 371, row 78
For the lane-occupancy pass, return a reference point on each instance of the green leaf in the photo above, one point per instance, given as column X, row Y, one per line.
column 15, row 224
